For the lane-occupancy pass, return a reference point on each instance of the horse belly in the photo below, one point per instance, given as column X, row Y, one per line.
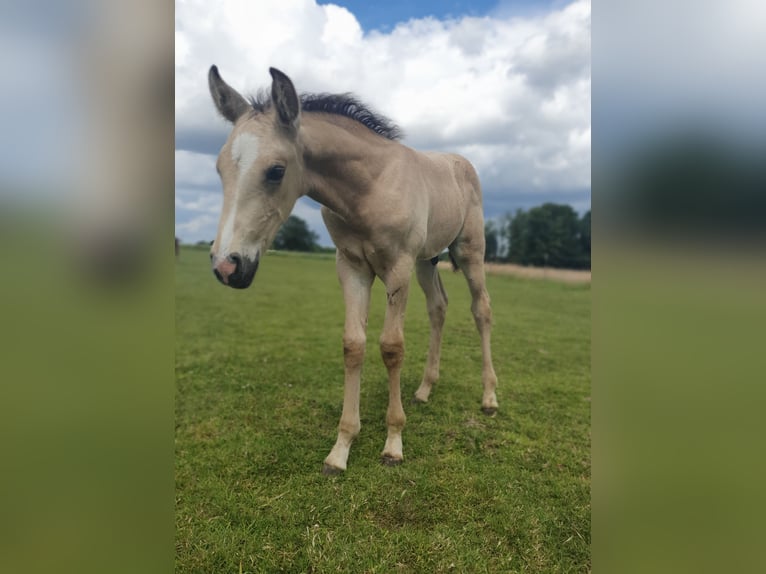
column 441, row 232
column 448, row 198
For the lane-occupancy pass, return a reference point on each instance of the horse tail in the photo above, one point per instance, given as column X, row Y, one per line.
column 440, row 285
column 455, row 266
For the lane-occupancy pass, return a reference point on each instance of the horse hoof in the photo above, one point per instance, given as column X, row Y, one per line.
column 389, row 460
column 417, row 401
column 489, row 411
column 329, row 470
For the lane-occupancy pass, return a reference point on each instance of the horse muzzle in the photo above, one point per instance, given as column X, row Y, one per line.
column 234, row 270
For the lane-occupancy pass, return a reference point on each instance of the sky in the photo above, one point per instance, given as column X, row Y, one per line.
column 506, row 84
column 667, row 66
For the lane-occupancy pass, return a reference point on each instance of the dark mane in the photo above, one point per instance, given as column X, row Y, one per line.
column 346, row 105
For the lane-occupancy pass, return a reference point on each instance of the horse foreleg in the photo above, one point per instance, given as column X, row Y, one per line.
column 392, row 351
column 356, row 282
column 436, row 303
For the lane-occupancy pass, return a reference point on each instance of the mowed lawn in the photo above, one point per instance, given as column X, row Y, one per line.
column 259, row 395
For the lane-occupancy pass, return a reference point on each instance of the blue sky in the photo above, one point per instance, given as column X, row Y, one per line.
column 385, row 15
column 506, row 84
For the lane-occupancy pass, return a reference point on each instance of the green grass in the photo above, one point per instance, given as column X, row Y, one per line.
column 259, row 395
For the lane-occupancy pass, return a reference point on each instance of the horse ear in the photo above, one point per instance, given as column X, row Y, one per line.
column 230, row 104
column 285, row 98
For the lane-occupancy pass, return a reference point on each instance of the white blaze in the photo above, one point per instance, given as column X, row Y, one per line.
column 227, row 233
column 244, row 152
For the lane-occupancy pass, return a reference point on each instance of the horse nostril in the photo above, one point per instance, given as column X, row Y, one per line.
column 236, row 259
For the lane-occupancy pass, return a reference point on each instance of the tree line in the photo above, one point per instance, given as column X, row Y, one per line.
column 293, row 235
column 550, row 235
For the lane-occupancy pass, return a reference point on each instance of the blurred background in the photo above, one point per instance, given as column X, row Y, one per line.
column 86, row 269
column 679, row 214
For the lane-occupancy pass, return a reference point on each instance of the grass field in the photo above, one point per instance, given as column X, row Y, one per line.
column 259, row 394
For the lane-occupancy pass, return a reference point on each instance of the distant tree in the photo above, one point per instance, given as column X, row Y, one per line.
column 516, row 232
column 550, row 235
column 554, row 230
column 584, row 228
column 295, row 235
column 491, row 233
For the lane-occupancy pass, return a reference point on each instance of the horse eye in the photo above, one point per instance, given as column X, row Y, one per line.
column 275, row 173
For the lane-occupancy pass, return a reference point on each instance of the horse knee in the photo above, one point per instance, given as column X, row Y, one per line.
column 353, row 351
column 392, row 351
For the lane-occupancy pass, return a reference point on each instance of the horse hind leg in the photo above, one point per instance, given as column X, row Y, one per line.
column 436, row 303
column 469, row 255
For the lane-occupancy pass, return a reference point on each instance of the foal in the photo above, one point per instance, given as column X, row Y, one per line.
column 387, row 207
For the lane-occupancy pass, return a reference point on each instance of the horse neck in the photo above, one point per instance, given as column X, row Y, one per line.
column 342, row 159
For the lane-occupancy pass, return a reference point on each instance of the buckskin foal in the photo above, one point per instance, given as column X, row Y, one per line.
column 387, row 207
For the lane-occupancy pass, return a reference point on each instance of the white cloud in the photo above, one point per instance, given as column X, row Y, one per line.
column 195, row 169
column 199, row 202
column 197, row 228
column 510, row 93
